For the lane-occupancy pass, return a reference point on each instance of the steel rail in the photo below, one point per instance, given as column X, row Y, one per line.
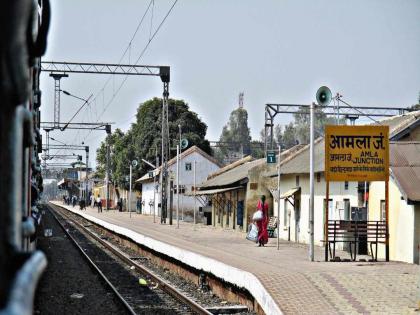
column 162, row 283
column 93, row 265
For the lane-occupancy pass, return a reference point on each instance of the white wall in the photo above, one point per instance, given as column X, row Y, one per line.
column 403, row 222
column 147, row 197
column 204, row 167
column 337, row 193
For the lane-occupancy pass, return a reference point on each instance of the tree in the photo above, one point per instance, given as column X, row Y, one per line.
column 235, row 137
column 143, row 139
column 297, row 132
column 257, row 149
column 121, row 151
column 416, row 106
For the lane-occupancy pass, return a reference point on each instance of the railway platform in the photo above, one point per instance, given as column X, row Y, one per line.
column 282, row 281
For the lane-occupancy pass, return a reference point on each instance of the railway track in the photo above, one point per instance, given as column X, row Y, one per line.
column 119, row 272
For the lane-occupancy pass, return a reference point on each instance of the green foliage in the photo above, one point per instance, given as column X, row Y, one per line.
column 297, row 132
column 235, row 135
column 257, row 149
column 143, row 139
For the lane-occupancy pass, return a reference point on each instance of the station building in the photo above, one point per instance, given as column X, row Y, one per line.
column 150, row 188
column 347, row 199
column 404, row 202
column 233, row 191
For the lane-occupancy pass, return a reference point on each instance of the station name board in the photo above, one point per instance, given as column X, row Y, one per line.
column 356, row 153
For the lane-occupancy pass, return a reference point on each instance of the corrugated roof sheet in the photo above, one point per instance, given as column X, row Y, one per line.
column 405, row 167
column 241, row 172
column 398, row 123
column 210, row 191
column 232, row 176
column 298, row 163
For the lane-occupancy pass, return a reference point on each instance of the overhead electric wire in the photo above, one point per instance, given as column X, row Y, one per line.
column 138, row 59
column 86, row 102
column 361, row 112
column 107, row 81
column 128, row 48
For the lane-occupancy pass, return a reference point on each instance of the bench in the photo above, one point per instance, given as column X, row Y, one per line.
column 343, row 231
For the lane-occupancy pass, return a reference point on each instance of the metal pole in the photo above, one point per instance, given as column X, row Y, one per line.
column 87, row 175
column 278, row 201
column 154, row 198
column 177, row 185
column 387, row 219
column 265, row 133
column 311, row 183
column 327, row 209
column 154, row 185
column 107, row 174
column 165, row 154
column 195, row 189
column 338, row 110
column 129, row 196
column 364, row 195
column 180, row 150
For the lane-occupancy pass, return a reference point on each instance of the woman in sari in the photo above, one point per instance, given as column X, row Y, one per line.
column 263, row 223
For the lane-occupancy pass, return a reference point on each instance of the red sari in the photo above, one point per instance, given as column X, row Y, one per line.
column 262, row 224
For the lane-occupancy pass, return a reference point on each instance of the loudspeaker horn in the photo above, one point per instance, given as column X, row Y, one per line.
column 323, row 96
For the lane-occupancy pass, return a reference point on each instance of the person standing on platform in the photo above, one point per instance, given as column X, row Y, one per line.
column 138, row 205
column 92, row 200
column 99, row 203
column 120, row 204
column 263, row 223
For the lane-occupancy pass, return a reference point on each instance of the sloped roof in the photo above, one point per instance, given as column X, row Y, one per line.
column 232, row 176
column 241, row 172
column 298, row 163
column 405, row 168
column 172, row 161
column 397, row 124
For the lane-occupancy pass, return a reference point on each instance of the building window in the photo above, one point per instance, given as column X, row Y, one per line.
column 181, row 189
column 383, row 212
column 346, row 185
column 318, row 177
column 188, row 167
column 297, row 181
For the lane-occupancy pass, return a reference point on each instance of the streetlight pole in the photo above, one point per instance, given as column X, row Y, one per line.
column 86, row 101
column 278, row 201
column 129, row 196
column 177, row 185
column 195, row 191
column 87, row 174
column 311, row 183
column 108, row 132
column 154, row 186
column 180, row 149
column 107, row 175
column 132, row 163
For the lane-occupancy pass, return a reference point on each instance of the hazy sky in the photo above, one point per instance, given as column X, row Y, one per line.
column 273, row 51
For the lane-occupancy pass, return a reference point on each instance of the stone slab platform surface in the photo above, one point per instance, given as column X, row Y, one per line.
column 297, row 285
